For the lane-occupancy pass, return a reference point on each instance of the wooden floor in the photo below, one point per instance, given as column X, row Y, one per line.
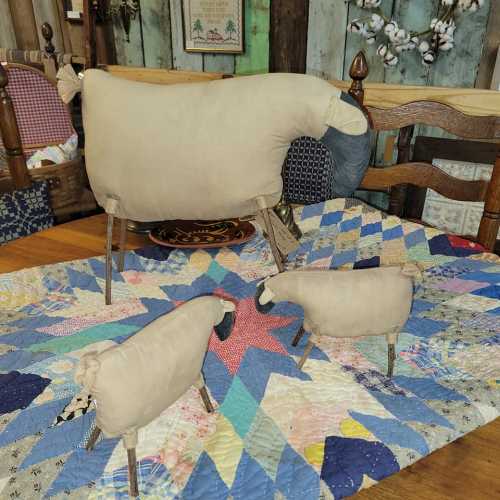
column 468, row 469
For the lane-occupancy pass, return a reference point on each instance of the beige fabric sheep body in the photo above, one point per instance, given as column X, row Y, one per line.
column 345, row 303
column 132, row 383
column 202, row 150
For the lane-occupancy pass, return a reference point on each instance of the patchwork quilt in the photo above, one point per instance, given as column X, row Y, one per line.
column 325, row 432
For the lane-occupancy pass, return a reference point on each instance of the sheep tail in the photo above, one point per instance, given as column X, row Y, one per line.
column 413, row 270
column 86, row 371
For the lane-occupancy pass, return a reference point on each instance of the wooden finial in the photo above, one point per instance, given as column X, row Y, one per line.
column 9, row 131
column 358, row 72
column 48, row 33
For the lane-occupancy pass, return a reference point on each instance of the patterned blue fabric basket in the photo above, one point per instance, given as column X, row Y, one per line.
column 308, row 172
column 25, row 211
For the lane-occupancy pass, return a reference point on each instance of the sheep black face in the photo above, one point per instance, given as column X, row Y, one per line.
column 263, row 304
column 224, row 329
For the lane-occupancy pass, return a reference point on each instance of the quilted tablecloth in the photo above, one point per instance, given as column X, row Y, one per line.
column 278, row 432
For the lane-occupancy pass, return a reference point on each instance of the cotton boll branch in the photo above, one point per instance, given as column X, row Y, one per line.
column 395, row 39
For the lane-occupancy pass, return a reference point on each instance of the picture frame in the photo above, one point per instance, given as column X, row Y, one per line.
column 213, row 26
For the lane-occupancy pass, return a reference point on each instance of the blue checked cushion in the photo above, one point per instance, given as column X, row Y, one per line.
column 308, row 172
column 25, row 211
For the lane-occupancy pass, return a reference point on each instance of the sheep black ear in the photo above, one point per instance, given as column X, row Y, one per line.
column 225, row 327
column 262, row 308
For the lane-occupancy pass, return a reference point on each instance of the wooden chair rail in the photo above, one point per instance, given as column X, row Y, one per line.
column 427, row 176
column 436, row 114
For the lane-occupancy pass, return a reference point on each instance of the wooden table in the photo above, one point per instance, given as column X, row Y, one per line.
column 468, row 469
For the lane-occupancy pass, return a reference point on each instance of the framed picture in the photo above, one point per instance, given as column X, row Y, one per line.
column 213, row 26
column 73, row 10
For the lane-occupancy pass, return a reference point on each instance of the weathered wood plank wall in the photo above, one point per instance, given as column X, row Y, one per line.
column 7, row 33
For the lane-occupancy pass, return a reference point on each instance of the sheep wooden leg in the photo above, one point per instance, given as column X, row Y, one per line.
column 132, row 473
column 200, row 385
column 121, row 248
column 307, row 351
column 93, row 439
column 206, row 399
column 109, row 258
column 298, row 336
column 272, row 240
column 391, row 353
column 130, row 443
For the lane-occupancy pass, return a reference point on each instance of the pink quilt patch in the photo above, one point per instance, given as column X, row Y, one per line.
column 114, row 312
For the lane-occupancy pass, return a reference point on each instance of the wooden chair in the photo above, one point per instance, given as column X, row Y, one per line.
column 33, row 93
column 404, row 116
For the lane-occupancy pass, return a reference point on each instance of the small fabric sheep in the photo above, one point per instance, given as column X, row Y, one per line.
column 345, row 303
column 132, row 383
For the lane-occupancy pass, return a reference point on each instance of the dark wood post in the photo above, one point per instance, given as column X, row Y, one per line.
column 488, row 229
column 398, row 194
column 89, row 32
column 288, row 36
column 358, row 72
column 11, row 137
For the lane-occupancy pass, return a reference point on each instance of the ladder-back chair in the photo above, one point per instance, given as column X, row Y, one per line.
column 404, row 116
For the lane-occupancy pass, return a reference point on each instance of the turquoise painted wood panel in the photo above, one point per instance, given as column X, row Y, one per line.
column 355, row 43
column 458, row 67
column 418, row 16
column 7, row 35
column 218, row 63
column 128, row 53
column 256, row 56
column 180, row 58
column 156, row 29
column 325, row 41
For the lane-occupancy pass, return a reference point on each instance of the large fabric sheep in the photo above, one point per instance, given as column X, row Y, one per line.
column 210, row 150
column 345, row 303
column 132, row 383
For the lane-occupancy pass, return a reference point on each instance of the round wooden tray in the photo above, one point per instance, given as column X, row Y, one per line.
column 202, row 234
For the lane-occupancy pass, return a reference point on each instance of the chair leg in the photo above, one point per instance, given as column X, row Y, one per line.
column 132, row 473
column 93, row 439
column 109, row 258
column 307, row 351
column 298, row 336
column 391, row 358
column 206, row 399
column 272, row 240
column 121, row 248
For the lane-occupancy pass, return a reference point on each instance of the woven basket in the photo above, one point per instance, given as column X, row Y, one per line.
column 66, row 180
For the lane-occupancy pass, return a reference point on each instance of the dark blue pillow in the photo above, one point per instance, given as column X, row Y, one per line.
column 25, row 211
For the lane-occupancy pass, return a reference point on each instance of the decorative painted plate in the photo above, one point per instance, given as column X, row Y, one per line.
column 202, row 234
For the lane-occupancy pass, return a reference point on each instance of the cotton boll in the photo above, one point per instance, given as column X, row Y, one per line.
column 445, row 46
column 368, row 4
column 391, row 28
column 424, row 47
column 355, row 26
column 390, row 59
column 382, row 50
column 376, row 23
column 428, row 58
column 447, row 2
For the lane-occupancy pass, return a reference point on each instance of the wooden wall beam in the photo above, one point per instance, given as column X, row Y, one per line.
column 490, row 49
column 7, row 34
column 23, row 20
column 288, row 36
